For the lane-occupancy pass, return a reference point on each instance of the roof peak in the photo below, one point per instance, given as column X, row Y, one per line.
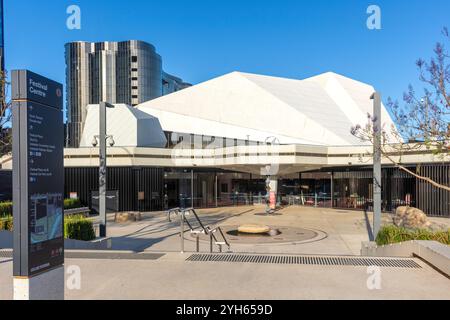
column 247, row 74
column 320, row 75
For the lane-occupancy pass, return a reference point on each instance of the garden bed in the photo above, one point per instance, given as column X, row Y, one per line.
column 392, row 234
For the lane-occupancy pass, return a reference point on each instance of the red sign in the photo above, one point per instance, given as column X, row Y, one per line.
column 273, row 200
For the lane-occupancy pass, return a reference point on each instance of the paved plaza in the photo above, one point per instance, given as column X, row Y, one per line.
column 171, row 277
column 339, row 232
column 168, row 275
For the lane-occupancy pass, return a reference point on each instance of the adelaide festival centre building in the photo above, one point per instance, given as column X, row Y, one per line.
column 215, row 144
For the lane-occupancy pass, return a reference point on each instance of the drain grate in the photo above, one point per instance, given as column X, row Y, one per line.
column 306, row 260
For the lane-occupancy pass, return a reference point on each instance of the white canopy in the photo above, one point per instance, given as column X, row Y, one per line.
column 319, row 110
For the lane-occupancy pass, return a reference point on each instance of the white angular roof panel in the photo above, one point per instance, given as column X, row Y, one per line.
column 319, row 110
column 128, row 126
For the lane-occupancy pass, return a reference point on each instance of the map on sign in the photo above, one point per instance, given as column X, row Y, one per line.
column 46, row 217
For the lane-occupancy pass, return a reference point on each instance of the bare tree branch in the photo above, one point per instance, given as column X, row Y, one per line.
column 421, row 121
column 5, row 117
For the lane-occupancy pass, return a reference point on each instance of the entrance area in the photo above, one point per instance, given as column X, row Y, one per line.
column 153, row 189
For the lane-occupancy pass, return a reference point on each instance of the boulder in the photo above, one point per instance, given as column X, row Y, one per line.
column 411, row 218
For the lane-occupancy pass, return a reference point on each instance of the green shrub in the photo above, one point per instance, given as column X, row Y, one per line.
column 6, row 223
column 75, row 227
column 393, row 234
column 6, row 209
column 78, row 228
column 72, row 204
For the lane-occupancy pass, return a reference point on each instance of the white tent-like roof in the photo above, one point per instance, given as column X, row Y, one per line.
column 318, row 111
column 129, row 127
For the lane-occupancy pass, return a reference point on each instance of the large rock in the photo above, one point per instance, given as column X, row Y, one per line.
column 411, row 218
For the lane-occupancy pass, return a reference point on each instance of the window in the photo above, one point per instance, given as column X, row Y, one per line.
column 224, row 188
column 134, row 69
column 134, row 59
column 134, row 78
column 134, row 97
column 134, row 88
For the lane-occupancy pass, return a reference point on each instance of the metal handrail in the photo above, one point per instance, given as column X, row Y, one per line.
column 204, row 229
column 197, row 218
column 223, row 237
column 207, row 230
column 170, row 211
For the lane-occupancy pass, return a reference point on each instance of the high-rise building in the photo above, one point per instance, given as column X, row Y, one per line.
column 128, row 72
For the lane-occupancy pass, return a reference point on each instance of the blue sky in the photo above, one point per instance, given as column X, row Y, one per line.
column 202, row 39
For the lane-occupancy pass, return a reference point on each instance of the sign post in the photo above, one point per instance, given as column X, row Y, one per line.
column 38, row 187
column 102, row 170
column 376, row 163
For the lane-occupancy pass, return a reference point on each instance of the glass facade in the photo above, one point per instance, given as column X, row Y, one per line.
column 341, row 188
column 352, row 188
column 203, row 188
column 193, row 141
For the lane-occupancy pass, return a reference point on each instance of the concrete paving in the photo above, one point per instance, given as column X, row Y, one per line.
column 171, row 277
column 343, row 230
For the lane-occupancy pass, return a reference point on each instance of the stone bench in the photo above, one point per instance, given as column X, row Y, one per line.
column 123, row 217
column 84, row 211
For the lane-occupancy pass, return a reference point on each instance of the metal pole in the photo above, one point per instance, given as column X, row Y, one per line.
column 192, row 188
column 182, row 230
column 376, row 163
column 332, row 189
column 216, row 190
column 102, row 170
column 210, row 241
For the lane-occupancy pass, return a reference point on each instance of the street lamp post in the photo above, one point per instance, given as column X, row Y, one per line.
column 101, row 140
column 376, row 97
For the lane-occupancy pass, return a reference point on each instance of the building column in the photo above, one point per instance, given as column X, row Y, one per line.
column 273, row 184
column 332, row 189
column 215, row 188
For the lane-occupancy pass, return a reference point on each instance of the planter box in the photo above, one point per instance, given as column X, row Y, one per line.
column 97, row 244
column 6, row 242
column 433, row 252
